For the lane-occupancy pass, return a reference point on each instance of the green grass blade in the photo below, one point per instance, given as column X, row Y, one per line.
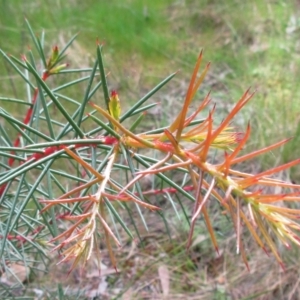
column 71, row 83
column 66, row 46
column 13, row 100
column 53, row 98
column 10, row 219
column 20, row 125
column 103, row 77
column 46, row 112
column 105, row 126
column 87, row 92
column 137, row 185
column 17, row 69
column 35, row 40
column 146, row 97
column 118, row 217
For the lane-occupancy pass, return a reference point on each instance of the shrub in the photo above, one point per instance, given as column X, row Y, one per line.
column 64, row 187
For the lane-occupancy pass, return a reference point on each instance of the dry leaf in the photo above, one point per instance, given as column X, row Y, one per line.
column 128, row 294
column 164, row 277
column 199, row 239
column 15, row 273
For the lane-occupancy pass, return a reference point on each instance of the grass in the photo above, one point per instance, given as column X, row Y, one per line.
column 249, row 44
column 94, row 20
column 253, row 43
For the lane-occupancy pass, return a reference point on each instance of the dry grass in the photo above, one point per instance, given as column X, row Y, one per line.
column 157, row 267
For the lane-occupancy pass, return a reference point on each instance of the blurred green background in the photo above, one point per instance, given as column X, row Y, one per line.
column 250, row 43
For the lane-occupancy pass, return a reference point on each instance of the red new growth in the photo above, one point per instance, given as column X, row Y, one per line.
column 113, row 93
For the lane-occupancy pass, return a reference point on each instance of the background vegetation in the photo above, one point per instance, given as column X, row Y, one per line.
column 250, row 43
